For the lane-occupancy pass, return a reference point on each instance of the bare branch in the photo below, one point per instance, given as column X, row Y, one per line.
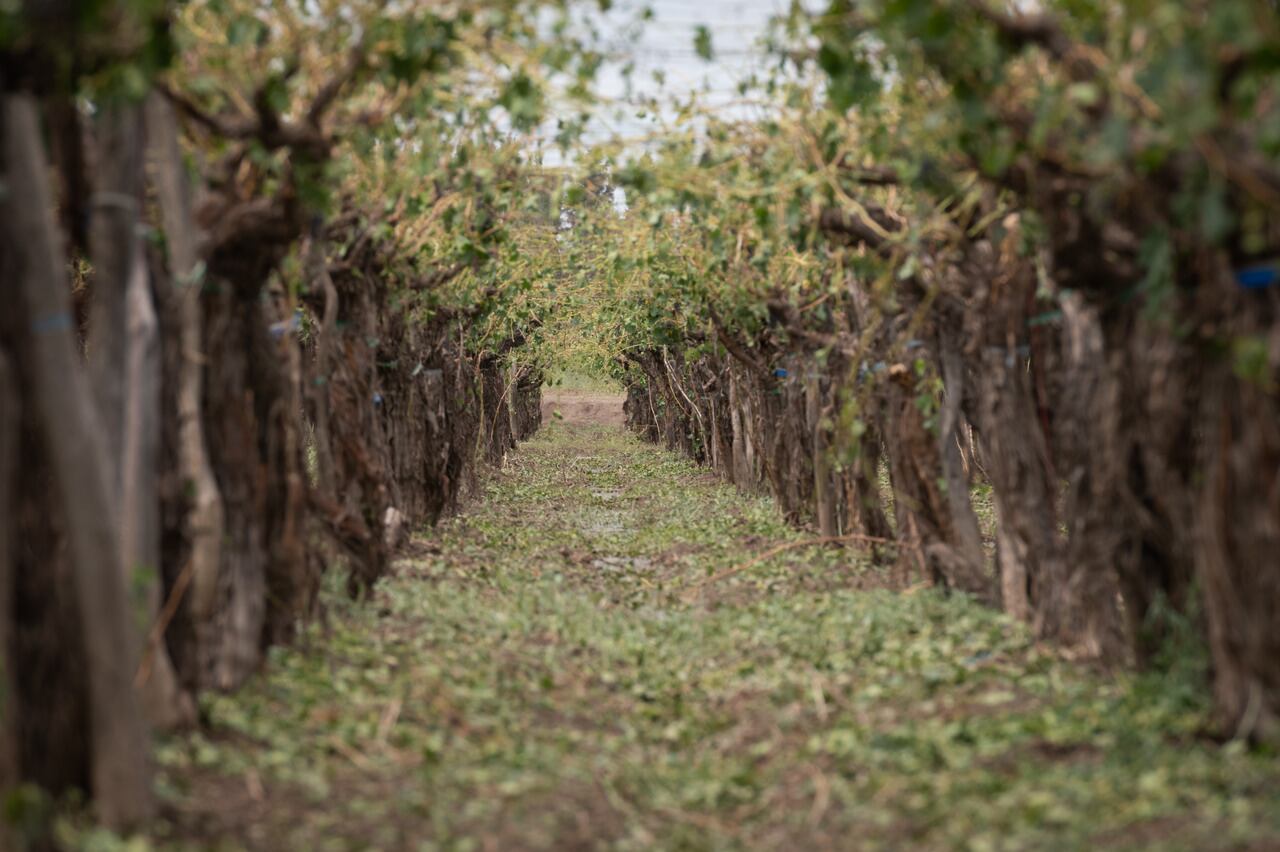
column 868, row 175
column 734, row 348
column 1041, row 30
column 853, row 226
column 227, row 128
column 329, row 91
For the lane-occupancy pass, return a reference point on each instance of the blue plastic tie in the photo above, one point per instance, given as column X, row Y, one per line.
column 53, row 322
column 1258, row 277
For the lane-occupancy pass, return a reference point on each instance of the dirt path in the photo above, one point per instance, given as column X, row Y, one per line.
column 547, row 672
column 582, row 407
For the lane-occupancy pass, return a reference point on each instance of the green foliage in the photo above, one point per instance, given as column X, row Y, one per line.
column 523, row 101
column 702, row 43
column 429, row 155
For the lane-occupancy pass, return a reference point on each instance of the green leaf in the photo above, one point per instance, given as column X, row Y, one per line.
column 522, row 99
column 702, row 42
column 246, row 29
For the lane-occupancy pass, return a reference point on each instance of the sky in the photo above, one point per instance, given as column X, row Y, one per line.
column 664, row 47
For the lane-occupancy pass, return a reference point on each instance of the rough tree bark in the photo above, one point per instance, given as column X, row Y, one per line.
column 10, row 426
column 743, row 473
column 1237, row 510
column 124, row 368
column 1238, row 531
column 1027, row 552
column 823, row 502
column 1081, row 606
column 292, row 578
column 968, row 538
column 204, row 522
column 496, row 433
column 120, row 775
column 864, row 502
column 349, row 408
column 929, row 544
column 318, row 393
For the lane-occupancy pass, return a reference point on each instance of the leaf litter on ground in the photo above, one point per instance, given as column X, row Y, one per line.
column 534, row 675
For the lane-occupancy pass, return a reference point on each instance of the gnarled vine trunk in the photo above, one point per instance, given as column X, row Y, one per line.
column 53, row 380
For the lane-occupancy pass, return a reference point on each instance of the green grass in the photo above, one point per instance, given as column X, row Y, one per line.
column 546, row 673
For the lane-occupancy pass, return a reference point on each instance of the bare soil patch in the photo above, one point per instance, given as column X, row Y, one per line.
column 581, row 407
